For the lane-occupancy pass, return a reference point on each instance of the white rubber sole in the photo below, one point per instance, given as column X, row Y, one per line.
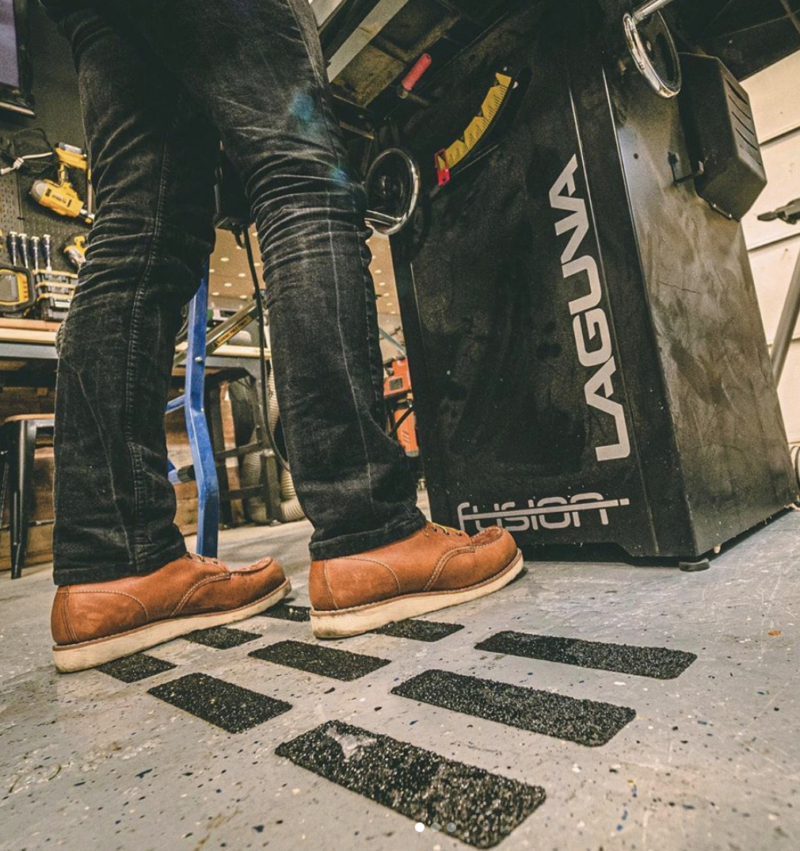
column 90, row 654
column 348, row 622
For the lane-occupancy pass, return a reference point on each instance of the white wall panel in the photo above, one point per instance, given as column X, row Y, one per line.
column 775, row 94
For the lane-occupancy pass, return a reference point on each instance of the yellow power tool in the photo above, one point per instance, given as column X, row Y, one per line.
column 17, row 292
column 74, row 249
column 60, row 195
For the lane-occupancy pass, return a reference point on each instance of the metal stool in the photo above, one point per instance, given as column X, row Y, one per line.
column 18, row 436
column 202, row 469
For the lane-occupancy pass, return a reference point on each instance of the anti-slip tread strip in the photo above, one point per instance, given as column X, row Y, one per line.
column 337, row 664
column 288, row 612
column 657, row 662
column 131, row 669
column 585, row 722
column 419, row 630
column 221, row 637
column 225, row 705
column 479, row 808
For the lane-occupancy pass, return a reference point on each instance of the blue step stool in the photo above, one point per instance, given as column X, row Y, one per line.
column 192, row 400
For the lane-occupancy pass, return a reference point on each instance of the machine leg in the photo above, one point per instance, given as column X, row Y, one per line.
column 21, row 458
column 786, row 324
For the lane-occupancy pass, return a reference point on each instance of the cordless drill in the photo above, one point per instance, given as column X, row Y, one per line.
column 60, row 195
column 74, row 249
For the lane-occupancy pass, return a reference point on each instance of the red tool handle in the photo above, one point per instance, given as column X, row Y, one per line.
column 420, row 67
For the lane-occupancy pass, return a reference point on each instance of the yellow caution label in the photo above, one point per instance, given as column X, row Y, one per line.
column 450, row 157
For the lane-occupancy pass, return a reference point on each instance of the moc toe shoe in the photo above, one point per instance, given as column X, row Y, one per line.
column 430, row 570
column 102, row 621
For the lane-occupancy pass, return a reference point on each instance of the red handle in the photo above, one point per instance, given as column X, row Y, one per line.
column 420, row 67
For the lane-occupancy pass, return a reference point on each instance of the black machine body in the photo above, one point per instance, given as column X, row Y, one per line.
column 586, row 347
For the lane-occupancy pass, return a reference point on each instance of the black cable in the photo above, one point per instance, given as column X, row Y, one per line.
column 244, row 236
column 15, row 148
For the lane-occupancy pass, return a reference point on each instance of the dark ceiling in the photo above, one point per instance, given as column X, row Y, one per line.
column 747, row 35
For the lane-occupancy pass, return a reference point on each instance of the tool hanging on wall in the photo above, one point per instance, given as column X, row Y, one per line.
column 17, row 293
column 35, row 242
column 60, row 195
column 47, row 249
column 24, row 253
column 54, row 293
column 74, row 249
column 27, row 288
column 13, row 251
column 453, row 158
column 17, row 290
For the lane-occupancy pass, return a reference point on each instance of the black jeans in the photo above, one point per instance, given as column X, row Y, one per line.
column 161, row 81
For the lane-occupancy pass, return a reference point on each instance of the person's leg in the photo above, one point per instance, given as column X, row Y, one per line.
column 153, row 157
column 257, row 68
column 258, row 71
column 126, row 581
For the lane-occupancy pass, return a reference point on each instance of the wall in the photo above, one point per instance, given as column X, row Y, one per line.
column 55, row 91
column 774, row 246
column 57, row 106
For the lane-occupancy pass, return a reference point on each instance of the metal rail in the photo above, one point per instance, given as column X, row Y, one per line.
column 650, row 8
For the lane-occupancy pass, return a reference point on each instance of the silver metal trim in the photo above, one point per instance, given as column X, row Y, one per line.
column 381, row 222
column 649, row 8
column 643, row 64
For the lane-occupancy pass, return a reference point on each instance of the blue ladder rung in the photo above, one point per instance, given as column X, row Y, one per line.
column 177, row 402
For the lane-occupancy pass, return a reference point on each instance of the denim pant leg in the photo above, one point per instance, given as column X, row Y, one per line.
column 153, row 158
column 257, row 68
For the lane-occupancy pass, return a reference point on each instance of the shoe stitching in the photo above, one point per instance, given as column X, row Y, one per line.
column 376, row 561
column 217, row 577
column 253, row 568
column 65, row 618
column 119, row 593
column 442, row 563
column 328, row 584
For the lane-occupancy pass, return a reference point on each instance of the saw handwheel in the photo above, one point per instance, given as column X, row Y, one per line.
column 393, row 189
column 653, row 49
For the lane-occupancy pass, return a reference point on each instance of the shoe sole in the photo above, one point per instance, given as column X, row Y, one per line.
column 356, row 621
column 89, row 654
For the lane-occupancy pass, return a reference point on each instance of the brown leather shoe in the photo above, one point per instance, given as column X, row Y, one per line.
column 102, row 621
column 432, row 569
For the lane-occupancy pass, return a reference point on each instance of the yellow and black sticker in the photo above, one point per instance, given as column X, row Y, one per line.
column 448, row 158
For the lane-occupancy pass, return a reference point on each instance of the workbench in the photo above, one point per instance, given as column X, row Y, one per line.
column 28, row 351
column 28, row 359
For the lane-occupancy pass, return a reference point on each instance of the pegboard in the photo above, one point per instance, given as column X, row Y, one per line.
column 21, row 213
column 9, row 208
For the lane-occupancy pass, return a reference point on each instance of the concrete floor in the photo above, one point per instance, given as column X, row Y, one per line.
column 707, row 760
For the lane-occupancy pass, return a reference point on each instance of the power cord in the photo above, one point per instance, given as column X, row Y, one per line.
column 10, row 150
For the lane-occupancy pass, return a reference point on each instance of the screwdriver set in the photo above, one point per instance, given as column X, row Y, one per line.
column 29, row 286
